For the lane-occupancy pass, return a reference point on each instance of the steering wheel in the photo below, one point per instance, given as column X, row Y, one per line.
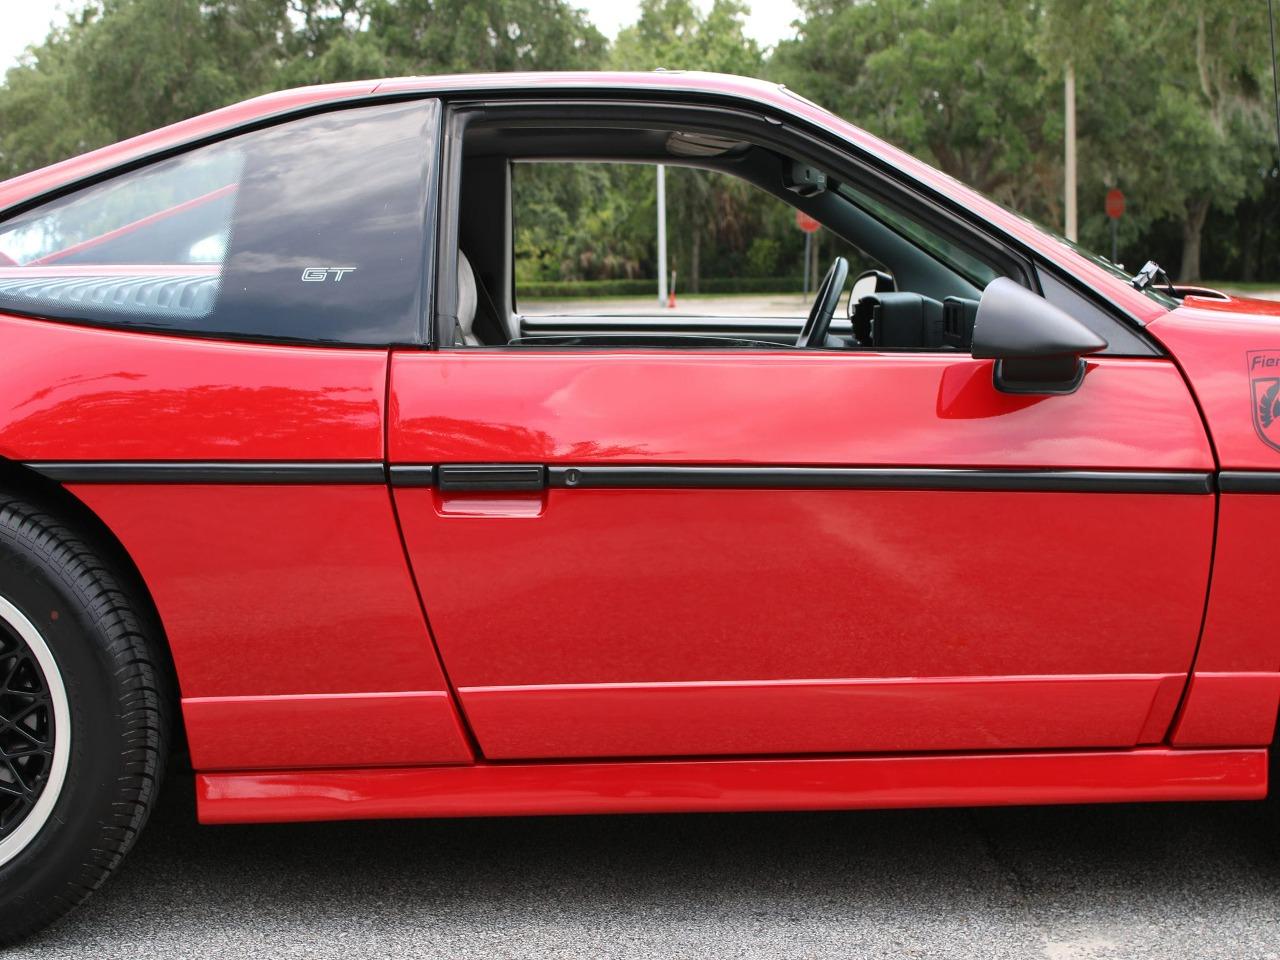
column 814, row 333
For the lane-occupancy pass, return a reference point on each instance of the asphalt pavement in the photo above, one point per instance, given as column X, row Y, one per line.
column 1067, row 882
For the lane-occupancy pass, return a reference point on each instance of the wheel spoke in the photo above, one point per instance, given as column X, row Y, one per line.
column 26, row 731
column 15, row 725
column 12, row 671
column 15, row 783
column 8, row 753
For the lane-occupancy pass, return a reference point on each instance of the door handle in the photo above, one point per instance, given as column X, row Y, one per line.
column 484, row 477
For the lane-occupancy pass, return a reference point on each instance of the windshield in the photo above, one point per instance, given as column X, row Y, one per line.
column 1153, row 294
column 1163, row 299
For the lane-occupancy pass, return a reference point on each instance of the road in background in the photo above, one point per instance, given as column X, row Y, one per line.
column 744, row 305
column 1085, row 882
column 729, row 305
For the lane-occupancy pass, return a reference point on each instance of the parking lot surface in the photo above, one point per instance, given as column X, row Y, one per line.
column 1072, row 882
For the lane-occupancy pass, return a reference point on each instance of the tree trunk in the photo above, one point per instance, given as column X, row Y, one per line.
column 695, row 268
column 1249, row 230
column 1192, row 227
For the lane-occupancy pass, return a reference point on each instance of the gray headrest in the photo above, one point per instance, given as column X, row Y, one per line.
column 466, row 299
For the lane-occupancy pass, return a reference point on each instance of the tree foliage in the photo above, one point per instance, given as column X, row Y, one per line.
column 1172, row 102
column 1173, row 106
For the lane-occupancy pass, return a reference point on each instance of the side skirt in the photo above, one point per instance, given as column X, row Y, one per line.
column 685, row 786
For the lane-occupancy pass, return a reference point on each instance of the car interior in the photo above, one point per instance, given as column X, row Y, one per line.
column 923, row 296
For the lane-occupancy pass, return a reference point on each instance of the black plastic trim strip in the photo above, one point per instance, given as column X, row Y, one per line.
column 1249, row 481
column 490, row 476
column 871, row 478
column 886, row 479
column 469, row 477
column 401, row 475
column 210, row 471
column 518, row 476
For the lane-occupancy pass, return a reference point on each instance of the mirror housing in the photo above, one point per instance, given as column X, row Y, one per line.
column 869, row 284
column 1036, row 346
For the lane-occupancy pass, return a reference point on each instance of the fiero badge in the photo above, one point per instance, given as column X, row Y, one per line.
column 1264, row 386
column 321, row 274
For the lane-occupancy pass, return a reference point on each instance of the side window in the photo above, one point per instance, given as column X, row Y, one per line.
column 312, row 230
column 585, row 243
column 958, row 261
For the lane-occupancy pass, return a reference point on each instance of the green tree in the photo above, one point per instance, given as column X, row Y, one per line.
column 703, row 210
column 1173, row 109
column 953, row 81
column 41, row 119
column 359, row 39
column 122, row 67
column 676, row 35
column 1171, row 103
column 1173, row 99
column 1206, row 129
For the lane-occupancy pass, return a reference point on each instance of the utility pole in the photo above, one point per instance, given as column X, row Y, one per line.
column 1071, row 217
column 662, row 236
column 808, row 257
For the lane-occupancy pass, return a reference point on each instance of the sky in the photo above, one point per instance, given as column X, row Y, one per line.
column 27, row 21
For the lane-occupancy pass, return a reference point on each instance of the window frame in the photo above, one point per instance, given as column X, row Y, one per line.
column 757, row 124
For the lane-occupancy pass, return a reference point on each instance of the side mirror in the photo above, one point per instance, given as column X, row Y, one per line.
column 870, row 282
column 1036, row 346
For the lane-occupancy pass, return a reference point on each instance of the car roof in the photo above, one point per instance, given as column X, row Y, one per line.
column 760, row 93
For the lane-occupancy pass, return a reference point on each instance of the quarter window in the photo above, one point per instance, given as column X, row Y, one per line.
column 312, row 230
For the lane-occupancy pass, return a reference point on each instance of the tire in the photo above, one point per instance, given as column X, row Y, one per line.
column 88, row 708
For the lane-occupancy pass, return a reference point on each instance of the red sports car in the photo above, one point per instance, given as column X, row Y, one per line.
column 288, row 477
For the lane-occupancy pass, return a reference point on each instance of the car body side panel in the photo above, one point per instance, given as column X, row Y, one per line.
column 991, row 616
column 1235, row 689
column 300, row 640
column 600, row 647
column 909, row 715
column 696, row 407
column 324, row 730
column 269, row 592
column 787, row 783
column 265, row 590
column 79, row 393
column 1213, row 341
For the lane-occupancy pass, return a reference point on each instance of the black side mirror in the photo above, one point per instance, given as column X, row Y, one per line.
column 870, row 282
column 1037, row 347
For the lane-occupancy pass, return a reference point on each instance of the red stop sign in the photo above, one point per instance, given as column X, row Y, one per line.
column 1115, row 204
column 806, row 222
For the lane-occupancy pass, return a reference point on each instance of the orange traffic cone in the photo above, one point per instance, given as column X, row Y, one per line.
column 671, row 296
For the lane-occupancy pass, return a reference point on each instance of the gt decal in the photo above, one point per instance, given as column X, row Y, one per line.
column 1264, row 386
column 321, row 274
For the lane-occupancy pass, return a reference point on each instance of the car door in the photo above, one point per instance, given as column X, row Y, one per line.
column 666, row 553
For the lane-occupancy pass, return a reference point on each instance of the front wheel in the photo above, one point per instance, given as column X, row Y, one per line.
column 84, row 718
